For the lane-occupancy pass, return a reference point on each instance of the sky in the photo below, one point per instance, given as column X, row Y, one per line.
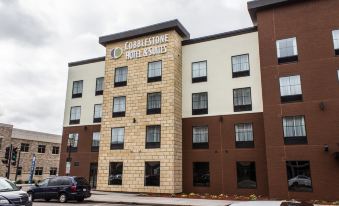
column 39, row 37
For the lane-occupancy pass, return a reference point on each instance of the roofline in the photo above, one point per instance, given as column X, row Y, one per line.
column 155, row 28
column 220, row 35
column 256, row 5
column 86, row 61
column 42, row 133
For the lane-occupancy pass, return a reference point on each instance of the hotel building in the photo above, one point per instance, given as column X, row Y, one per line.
column 251, row 111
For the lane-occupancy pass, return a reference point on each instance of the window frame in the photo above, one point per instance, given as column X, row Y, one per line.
column 287, row 59
column 243, row 107
column 243, row 73
column 336, row 50
column 74, row 121
column 97, row 119
column 117, row 146
column 202, row 110
column 120, row 113
column 54, row 169
column 156, row 178
column 310, row 174
column 41, row 149
column 243, row 144
column 152, row 145
column 77, row 95
column 293, row 97
column 19, row 171
column 153, row 110
column 55, row 150
column 24, row 147
column 200, row 78
column 95, row 148
column 109, row 173
column 200, row 145
column 294, row 140
column 99, row 92
column 121, row 83
column 197, row 184
column 238, row 164
column 155, row 78
column 73, row 149
column 39, row 171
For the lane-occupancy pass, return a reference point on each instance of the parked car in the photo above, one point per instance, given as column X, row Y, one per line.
column 10, row 194
column 62, row 188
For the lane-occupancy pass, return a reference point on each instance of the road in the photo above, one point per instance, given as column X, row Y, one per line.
column 85, row 203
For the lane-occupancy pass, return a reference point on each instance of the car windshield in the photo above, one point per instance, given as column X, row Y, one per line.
column 6, row 185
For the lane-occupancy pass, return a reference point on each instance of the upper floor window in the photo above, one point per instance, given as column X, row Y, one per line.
column 0, row 143
column 199, row 103
column 154, row 103
column 99, row 86
column 75, row 115
column 41, row 148
column 95, row 141
column 120, row 78
column 299, row 176
column 200, row 137
column 77, row 89
column 119, row 106
column 24, row 147
column 199, row 71
column 153, row 134
column 72, row 142
column 294, row 130
column 97, row 113
column 240, row 66
column 287, row 50
column 290, row 89
column 335, row 35
column 154, row 71
column 55, row 150
column 244, row 135
column 338, row 74
column 242, row 100
column 117, row 138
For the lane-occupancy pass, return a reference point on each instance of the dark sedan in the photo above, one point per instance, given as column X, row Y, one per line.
column 12, row 195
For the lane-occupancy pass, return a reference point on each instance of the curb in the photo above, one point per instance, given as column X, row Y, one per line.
column 134, row 203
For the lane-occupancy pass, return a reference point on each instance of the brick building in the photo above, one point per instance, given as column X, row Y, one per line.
column 45, row 147
column 251, row 111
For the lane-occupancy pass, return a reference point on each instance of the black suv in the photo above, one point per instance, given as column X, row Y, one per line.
column 61, row 188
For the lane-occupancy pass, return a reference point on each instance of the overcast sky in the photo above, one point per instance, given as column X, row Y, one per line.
column 39, row 37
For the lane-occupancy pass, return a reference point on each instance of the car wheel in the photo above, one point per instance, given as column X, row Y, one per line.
column 30, row 196
column 81, row 199
column 62, row 198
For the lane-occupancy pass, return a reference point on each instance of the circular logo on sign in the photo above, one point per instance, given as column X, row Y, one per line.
column 116, row 53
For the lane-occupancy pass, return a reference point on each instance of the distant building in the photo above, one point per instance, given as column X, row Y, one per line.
column 46, row 148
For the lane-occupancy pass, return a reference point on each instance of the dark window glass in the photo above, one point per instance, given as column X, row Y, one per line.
column 19, row 171
column 24, row 147
column 153, row 134
column 117, row 138
column 199, row 103
column 244, row 135
column 246, row 175
column 120, row 77
column 154, row 103
column 201, row 174
column 99, row 86
column 119, row 106
column 77, row 89
column 115, row 173
column 290, row 89
column 97, row 113
column 53, row 171
column 240, row 66
column 299, row 176
column 242, row 100
column 294, row 130
column 41, row 148
column 287, row 50
column 38, row 170
column 152, row 173
column 200, row 137
column 199, row 71
column 55, row 150
column 154, row 71
column 75, row 115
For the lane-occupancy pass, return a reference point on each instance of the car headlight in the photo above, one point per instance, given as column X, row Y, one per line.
column 4, row 201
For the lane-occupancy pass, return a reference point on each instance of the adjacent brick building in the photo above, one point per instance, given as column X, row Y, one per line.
column 251, row 111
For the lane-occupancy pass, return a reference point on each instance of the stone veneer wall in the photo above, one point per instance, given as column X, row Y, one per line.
column 134, row 153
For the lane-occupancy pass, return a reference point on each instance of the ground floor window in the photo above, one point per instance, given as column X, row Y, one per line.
column 38, row 170
column 246, row 175
column 53, row 171
column 299, row 176
column 201, row 174
column 152, row 173
column 19, row 171
column 115, row 173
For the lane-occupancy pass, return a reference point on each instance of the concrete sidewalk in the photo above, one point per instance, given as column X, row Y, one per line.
column 128, row 198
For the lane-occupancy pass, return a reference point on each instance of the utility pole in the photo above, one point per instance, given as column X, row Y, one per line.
column 17, row 166
column 9, row 161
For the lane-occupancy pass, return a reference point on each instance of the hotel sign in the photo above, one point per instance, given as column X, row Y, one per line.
column 150, row 46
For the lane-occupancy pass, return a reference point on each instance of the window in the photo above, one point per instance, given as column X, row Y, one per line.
column 75, row 115
column 287, row 50
column 242, row 99
column 201, row 174
column 72, row 143
column 115, row 173
column 95, row 142
column 335, row 35
column 41, row 148
column 153, row 134
column 337, row 77
column 299, row 176
column 199, row 103
column 290, row 89
column 117, row 141
column 97, row 113
column 120, row 77
column 55, row 150
column 119, row 106
column 154, row 71
column 77, row 89
column 154, row 103
column 24, row 147
column 0, row 143
column 240, row 66
column 39, row 170
column 244, row 135
column 294, row 130
column 200, row 137
column 246, row 175
column 152, row 173
column 199, row 71
column 19, row 171
column 53, row 171
column 99, row 86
